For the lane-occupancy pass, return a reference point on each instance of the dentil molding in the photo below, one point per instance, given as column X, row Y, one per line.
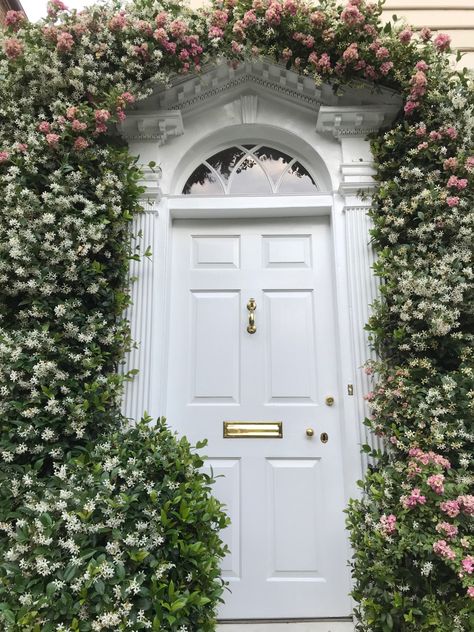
column 157, row 127
column 360, row 120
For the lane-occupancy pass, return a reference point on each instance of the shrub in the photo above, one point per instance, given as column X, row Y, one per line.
column 123, row 534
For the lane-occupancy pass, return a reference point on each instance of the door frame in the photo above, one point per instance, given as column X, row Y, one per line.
column 226, row 207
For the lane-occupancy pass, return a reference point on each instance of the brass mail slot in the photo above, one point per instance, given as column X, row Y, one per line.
column 253, row 429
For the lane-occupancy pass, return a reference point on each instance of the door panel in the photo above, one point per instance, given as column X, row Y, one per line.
column 284, row 496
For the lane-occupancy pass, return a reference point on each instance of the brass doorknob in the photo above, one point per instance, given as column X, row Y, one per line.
column 309, row 432
column 329, row 401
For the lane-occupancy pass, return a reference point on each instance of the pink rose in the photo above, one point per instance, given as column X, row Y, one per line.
column 422, row 65
column 144, row 27
column 102, row 116
column 161, row 19
column 436, row 482
column 468, row 564
column 4, row 156
column 410, row 107
column 65, row 42
column 469, row 164
column 425, row 34
column 14, row 19
column 324, row 63
column 450, row 507
column 290, row 6
column 351, row 54
column 470, row 592
column 250, row 18
column 128, row 97
column 422, row 146
column 435, row 135
column 448, row 529
column 56, row 5
column 467, row 504
column 80, row 143
column 118, row 22
column 442, row 548
column 382, row 52
column 273, row 14
column 52, row 140
column 386, row 67
column 442, row 42
column 71, row 112
column 452, row 201
column 78, row 126
column 178, row 28
column 44, row 127
column 405, row 36
column 215, row 32
column 415, row 498
column 317, row 19
column 451, row 133
column 22, row 147
column 352, row 16
column 236, row 47
column 219, row 18
column 13, row 48
column 287, row 54
column 450, row 164
column 421, row 130
column 388, row 524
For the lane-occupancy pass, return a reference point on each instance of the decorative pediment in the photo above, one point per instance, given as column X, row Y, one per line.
column 159, row 126
column 354, row 120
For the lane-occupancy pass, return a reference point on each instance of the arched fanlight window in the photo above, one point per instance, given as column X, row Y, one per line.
column 250, row 169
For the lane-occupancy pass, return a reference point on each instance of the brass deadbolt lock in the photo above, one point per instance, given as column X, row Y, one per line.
column 324, row 437
column 329, row 401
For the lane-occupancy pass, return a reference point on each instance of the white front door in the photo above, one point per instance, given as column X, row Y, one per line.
column 284, row 495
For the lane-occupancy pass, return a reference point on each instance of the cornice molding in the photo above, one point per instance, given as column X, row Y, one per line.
column 157, row 127
column 355, row 121
column 151, row 181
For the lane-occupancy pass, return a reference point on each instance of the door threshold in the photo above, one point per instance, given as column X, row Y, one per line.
column 335, row 624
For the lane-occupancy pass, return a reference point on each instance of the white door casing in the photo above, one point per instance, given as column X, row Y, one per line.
column 178, row 131
column 285, row 496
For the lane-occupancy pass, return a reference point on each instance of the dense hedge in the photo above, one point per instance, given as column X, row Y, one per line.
column 106, row 527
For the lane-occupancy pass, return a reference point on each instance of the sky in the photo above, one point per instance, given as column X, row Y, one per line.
column 36, row 9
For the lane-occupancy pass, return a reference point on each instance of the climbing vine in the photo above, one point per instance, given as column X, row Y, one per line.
column 104, row 526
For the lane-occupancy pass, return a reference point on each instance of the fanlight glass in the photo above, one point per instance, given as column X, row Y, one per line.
column 251, row 170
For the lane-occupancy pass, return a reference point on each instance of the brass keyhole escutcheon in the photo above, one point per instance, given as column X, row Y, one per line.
column 324, row 437
column 309, row 432
column 329, row 401
column 252, row 306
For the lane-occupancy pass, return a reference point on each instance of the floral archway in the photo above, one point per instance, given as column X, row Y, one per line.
column 109, row 527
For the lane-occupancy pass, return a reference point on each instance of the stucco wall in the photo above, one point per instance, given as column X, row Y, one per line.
column 455, row 17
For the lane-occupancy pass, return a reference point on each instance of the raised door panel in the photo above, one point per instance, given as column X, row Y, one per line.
column 215, row 347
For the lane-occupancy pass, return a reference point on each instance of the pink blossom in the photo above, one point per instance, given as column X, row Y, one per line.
column 219, row 18
column 118, row 22
column 145, row 27
column 370, row 30
column 258, row 5
column 458, row 183
column 410, row 106
column 162, row 18
column 102, row 116
column 236, row 47
column 324, row 63
column 425, row 34
column 442, row 548
column 435, row 135
column 14, row 19
column 351, row 53
column 22, row 147
column 415, row 498
column 13, row 48
column 422, row 65
column 290, row 6
column 418, row 83
column 386, row 67
column 422, row 146
column 121, row 114
column 71, row 112
column 388, row 524
column 450, row 164
column 161, row 36
column 273, row 14
column 215, row 32
column 44, row 127
column 52, row 140
column 451, row 132
column 317, row 19
column 4, row 156
column 421, row 130
column 450, row 507
column 65, row 42
column 436, row 482
column 405, row 36
column 448, row 529
column 442, row 42
column 468, row 564
column 250, row 18
column 80, row 143
column 178, row 28
column 469, row 164
column 452, row 201
column 470, row 592
column 128, row 97
column 287, row 54
column 382, row 53
column 352, row 16
column 56, row 5
column 78, row 126
column 466, row 503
